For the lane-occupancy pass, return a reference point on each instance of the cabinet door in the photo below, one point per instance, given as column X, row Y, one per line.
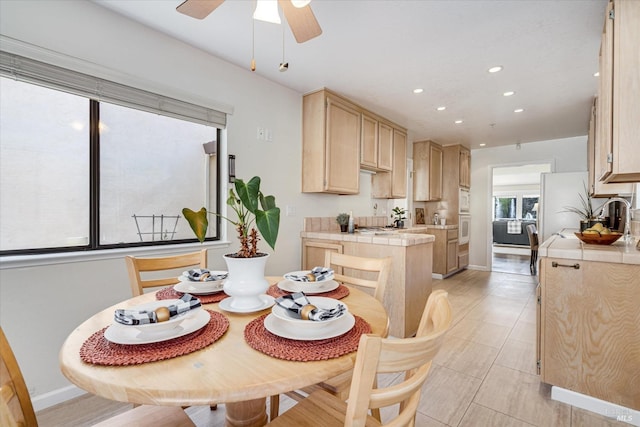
column 313, row 252
column 421, row 171
column 399, row 171
column 342, row 169
column 435, row 172
column 385, row 147
column 604, row 107
column 452, row 255
column 369, row 142
column 465, row 168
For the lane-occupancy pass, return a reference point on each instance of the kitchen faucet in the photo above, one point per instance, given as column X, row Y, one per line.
column 627, row 221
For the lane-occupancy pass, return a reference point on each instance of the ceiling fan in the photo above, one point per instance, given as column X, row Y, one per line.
column 302, row 21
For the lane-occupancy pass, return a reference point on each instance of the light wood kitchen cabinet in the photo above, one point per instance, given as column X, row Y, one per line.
column 588, row 328
column 464, row 168
column 313, row 252
column 427, row 171
column 618, row 127
column 598, row 188
column 393, row 185
column 376, row 144
column 445, row 251
column 330, row 144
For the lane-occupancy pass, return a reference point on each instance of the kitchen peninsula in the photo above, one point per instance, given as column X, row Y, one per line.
column 409, row 282
column 589, row 318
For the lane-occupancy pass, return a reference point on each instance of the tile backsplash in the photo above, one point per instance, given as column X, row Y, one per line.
column 317, row 223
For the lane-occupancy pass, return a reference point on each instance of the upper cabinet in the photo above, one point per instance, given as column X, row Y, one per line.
column 427, row 171
column 393, row 185
column 464, row 166
column 376, row 144
column 617, row 156
column 330, row 144
column 598, row 188
column 339, row 138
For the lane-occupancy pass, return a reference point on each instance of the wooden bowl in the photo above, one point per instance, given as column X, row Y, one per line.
column 599, row 239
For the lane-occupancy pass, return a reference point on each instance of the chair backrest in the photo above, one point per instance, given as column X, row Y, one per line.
column 15, row 404
column 533, row 236
column 136, row 266
column 342, row 264
column 413, row 356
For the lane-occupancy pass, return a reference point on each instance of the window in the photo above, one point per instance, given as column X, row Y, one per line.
column 504, row 207
column 529, row 207
column 80, row 173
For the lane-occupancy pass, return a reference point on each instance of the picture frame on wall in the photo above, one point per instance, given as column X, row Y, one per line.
column 419, row 215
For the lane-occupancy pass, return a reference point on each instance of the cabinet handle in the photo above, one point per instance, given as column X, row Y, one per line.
column 555, row 264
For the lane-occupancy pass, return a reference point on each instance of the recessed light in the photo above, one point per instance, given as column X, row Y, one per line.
column 419, row 90
column 596, row 74
column 483, row 144
column 495, row 69
column 458, row 122
column 518, row 110
column 441, row 108
column 509, row 93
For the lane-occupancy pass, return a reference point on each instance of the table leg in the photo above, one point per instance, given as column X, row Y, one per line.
column 250, row 413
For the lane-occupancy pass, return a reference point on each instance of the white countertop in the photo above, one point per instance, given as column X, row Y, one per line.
column 570, row 247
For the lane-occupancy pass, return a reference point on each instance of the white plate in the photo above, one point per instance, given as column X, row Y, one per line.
column 185, row 277
column 199, row 288
column 123, row 334
column 267, row 301
column 158, row 326
column 308, row 287
column 320, row 302
column 284, row 329
column 292, row 274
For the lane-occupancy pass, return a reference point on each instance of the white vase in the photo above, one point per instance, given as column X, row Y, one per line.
column 246, row 282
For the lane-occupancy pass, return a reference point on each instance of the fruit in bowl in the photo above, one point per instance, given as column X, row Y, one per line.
column 598, row 235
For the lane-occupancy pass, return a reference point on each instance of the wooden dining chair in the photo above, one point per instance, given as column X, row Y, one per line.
column 363, row 272
column 136, row 266
column 377, row 355
column 532, row 232
column 16, row 409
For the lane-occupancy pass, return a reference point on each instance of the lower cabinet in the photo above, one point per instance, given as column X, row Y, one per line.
column 589, row 328
column 409, row 283
column 445, row 251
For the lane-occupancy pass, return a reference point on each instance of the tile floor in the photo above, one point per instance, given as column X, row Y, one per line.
column 485, row 374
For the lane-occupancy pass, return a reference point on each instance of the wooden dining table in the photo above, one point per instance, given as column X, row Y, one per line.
column 228, row 371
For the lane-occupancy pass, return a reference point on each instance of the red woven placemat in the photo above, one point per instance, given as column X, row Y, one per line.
column 338, row 293
column 98, row 350
column 170, row 293
column 264, row 341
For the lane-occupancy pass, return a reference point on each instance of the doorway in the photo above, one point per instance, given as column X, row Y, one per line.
column 514, row 200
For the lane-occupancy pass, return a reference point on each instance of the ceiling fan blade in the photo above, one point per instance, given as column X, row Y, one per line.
column 302, row 21
column 198, row 9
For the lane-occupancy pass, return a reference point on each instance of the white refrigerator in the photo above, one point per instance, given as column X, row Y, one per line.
column 558, row 190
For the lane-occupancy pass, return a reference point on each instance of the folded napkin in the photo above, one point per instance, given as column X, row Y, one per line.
column 318, row 274
column 298, row 304
column 142, row 317
column 204, row 275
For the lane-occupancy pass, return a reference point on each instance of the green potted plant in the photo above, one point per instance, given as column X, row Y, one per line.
column 257, row 214
column 586, row 212
column 398, row 213
column 343, row 220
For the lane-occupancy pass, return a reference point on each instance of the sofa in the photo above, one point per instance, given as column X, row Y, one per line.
column 502, row 237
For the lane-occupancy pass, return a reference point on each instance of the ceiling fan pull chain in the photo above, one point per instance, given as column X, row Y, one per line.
column 253, row 45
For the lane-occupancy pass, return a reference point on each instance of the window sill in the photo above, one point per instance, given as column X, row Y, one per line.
column 20, row 261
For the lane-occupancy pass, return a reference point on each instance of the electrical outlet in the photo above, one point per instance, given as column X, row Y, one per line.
column 291, row 211
column 268, row 135
column 260, row 134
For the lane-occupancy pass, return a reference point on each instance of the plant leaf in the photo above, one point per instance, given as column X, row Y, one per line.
column 268, row 223
column 198, row 222
column 248, row 193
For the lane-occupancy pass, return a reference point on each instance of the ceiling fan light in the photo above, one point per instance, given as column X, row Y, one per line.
column 267, row 10
column 300, row 3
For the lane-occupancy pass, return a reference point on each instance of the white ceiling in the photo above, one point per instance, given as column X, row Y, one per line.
column 377, row 52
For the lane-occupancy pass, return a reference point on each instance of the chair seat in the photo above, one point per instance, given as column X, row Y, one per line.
column 319, row 409
column 149, row 415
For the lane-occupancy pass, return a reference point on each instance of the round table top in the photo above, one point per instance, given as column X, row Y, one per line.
column 228, row 370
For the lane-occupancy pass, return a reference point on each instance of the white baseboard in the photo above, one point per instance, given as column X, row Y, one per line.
column 588, row 403
column 478, row 267
column 52, row 398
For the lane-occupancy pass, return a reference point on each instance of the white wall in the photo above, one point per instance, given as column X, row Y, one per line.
column 565, row 155
column 42, row 301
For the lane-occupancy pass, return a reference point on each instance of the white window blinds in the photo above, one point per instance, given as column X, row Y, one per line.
column 40, row 73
